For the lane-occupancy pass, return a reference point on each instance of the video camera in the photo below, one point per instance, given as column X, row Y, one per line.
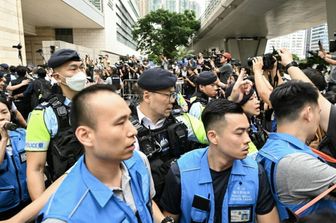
column 268, row 60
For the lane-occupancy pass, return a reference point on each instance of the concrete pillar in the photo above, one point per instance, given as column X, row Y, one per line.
column 34, row 42
column 331, row 18
column 11, row 32
column 242, row 48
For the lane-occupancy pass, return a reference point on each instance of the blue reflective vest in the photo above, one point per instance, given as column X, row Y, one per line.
column 83, row 198
column 278, row 146
column 13, row 186
column 241, row 195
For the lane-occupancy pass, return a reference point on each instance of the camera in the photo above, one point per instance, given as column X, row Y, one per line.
column 19, row 47
column 268, row 60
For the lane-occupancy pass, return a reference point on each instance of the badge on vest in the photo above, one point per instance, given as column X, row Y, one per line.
column 241, row 214
column 23, row 157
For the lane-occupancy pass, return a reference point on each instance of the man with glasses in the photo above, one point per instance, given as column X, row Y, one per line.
column 162, row 136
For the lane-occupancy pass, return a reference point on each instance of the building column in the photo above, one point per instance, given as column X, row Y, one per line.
column 12, row 33
column 331, row 18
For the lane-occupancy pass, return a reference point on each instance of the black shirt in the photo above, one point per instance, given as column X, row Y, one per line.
column 171, row 197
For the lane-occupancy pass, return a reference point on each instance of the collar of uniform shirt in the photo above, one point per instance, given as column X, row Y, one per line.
column 147, row 122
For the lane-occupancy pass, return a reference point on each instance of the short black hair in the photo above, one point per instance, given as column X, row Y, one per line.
column 8, row 102
column 80, row 113
column 21, row 71
column 216, row 109
column 12, row 69
column 316, row 77
column 41, row 72
column 288, row 99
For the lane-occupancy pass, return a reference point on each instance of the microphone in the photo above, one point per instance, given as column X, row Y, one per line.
column 10, row 126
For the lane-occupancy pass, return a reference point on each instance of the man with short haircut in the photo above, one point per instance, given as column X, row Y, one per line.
column 49, row 136
column 219, row 183
column 111, row 182
column 296, row 174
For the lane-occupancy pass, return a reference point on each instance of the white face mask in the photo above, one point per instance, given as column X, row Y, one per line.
column 76, row 82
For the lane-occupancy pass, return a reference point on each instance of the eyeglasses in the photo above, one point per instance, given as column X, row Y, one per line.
column 172, row 96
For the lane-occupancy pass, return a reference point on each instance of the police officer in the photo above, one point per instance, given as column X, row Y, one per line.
column 112, row 181
column 162, row 136
column 219, row 183
column 49, row 136
column 206, row 89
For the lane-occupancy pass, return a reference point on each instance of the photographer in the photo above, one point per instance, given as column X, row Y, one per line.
column 226, row 69
column 189, row 82
column 266, row 76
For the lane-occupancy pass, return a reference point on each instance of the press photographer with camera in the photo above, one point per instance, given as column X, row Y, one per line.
column 266, row 76
column 226, row 69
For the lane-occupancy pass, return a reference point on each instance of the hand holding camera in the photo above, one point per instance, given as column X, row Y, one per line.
column 257, row 65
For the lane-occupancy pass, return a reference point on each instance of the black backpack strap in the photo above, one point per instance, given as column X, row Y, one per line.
column 61, row 111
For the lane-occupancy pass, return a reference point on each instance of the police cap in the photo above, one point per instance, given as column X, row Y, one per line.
column 4, row 66
column 156, row 79
column 62, row 56
column 206, row 77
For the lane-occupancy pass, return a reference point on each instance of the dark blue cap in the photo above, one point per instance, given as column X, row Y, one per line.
column 206, row 77
column 4, row 65
column 62, row 56
column 156, row 79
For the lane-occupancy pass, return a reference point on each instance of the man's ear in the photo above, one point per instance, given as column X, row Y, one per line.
column 146, row 96
column 212, row 137
column 307, row 113
column 85, row 136
column 56, row 75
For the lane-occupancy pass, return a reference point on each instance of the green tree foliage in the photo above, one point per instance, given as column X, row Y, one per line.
column 161, row 32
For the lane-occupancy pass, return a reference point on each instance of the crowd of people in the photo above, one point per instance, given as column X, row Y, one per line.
column 204, row 140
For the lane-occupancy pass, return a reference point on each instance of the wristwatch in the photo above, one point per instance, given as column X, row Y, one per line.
column 168, row 219
column 291, row 64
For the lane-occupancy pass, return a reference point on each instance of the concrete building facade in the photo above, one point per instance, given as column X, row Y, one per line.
column 92, row 27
